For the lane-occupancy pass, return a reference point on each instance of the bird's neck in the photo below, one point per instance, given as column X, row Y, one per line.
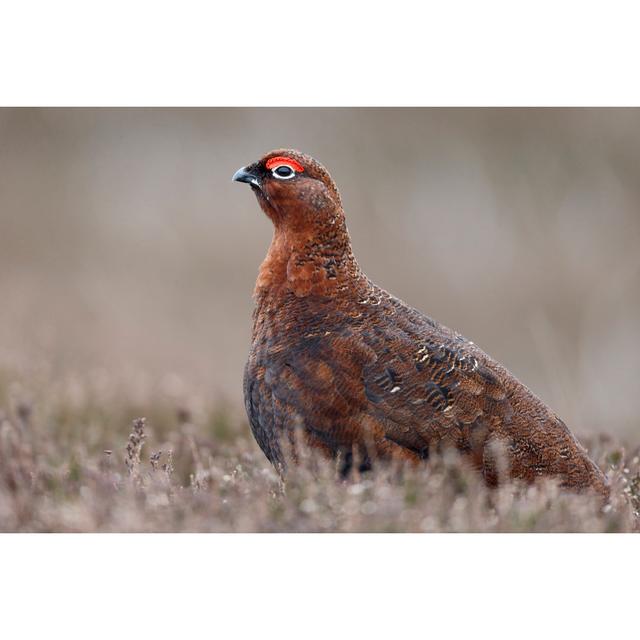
column 308, row 261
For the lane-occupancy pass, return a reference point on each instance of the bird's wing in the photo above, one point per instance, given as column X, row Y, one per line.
column 428, row 384
column 401, row 375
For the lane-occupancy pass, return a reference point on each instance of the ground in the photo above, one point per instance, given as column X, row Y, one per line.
column 83, row 453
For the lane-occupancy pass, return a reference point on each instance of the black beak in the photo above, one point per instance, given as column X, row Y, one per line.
column 248, row 175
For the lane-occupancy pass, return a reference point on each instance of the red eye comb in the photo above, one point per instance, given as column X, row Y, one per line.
column 273, row 163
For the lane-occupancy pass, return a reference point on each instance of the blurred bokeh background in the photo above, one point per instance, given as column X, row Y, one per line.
column 125, row 247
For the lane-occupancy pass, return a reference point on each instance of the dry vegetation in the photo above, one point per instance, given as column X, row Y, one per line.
column 73, row 457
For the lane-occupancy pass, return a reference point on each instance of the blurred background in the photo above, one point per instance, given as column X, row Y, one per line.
column 125, row 247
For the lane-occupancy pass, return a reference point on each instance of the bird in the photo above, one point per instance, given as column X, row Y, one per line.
column 349, row 370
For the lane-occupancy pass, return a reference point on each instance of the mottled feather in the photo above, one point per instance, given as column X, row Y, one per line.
column 357, row 372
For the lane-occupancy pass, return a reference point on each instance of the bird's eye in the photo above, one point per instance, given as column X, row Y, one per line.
column 283, row 172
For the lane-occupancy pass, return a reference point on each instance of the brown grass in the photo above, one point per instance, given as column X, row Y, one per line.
column 66, row 464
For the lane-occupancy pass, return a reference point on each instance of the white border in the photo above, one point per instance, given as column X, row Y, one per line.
column 270, row 53
column 319, row 586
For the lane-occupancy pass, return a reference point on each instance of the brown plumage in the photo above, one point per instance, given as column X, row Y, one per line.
column 361, row 375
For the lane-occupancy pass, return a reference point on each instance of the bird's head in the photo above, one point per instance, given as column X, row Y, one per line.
column 293, row 189
column 310, row 252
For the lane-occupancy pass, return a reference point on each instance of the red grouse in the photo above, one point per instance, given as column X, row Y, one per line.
column 361, row 375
